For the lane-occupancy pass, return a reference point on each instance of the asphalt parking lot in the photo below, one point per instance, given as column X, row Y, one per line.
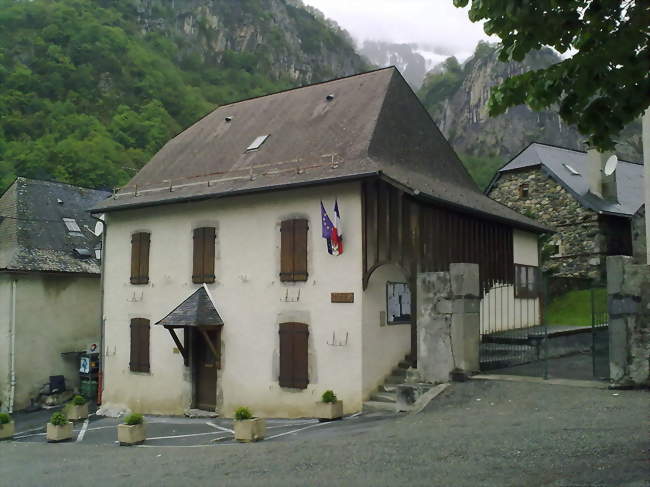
column 164, row 431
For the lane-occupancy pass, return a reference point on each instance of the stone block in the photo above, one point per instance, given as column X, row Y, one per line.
column 444, row 306
column 130, row 434
column 327, row 411
column 622, row 305
column 616, row 273
column 464, row 279
column 617, row 347
column 247, row 430
column 466, row 305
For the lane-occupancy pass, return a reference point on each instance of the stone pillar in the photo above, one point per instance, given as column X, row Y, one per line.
column 645, row 139
column 448, row 322
column 628, row 289
column 465, row 320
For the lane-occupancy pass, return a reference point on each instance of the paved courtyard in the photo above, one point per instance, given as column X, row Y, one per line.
column 476, row 433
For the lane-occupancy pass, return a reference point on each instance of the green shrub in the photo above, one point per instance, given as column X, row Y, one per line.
column 133, row 418
column 243, row 413
column 329, row 396
column 58, row 419
column 79, row 400
column 5, row 418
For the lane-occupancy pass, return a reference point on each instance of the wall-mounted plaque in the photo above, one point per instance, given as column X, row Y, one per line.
column 342, row 297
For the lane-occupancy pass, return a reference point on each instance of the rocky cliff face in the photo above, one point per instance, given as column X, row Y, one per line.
column 404, row 57
column 281, row 37
column 457, row 96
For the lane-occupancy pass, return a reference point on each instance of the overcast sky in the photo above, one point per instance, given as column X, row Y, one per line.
column 435, row 24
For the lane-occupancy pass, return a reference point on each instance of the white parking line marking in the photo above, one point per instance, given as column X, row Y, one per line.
column 295, row 431
column 29, row 431
column 183, row 436
column 220, row 428
column 82, row 432
column 27, row 436
column 352, row 416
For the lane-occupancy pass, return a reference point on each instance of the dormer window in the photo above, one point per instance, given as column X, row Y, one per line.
column 257, row 143
column 71, row 225
column 523, row 191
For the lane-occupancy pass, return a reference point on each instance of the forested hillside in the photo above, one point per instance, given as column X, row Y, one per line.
column 89, row 90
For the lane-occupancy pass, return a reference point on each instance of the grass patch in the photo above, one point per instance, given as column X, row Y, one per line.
column 574, row 307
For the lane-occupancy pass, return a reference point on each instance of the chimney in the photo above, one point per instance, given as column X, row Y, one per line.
column 600, row 184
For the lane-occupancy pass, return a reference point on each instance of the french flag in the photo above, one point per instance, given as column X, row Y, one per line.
column 332, row 231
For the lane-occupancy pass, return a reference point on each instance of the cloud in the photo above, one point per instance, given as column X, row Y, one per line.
column 436, row 24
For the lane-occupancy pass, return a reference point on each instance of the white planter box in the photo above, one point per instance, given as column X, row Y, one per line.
column 7, row 430
column 250, row 429
column 328, row 411
column 76, row 413
column 56, row 434
column 130, row 434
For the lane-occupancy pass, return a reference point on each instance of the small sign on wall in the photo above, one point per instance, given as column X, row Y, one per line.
column 342, row 297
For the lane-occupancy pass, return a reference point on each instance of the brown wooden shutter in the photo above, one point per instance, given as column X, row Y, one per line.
column 139, row 345
column 294, row 367
column 203, row 260
column 197, row 267
column 208, row 254
column 300, row 228
column 286, row 251
column 140, row 243
column 293, row 252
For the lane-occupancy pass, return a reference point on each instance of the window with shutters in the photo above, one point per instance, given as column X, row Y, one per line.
column 526, row 281
column 293, row 254
column 294, row 370
column 140, row 257
column 139, row 345
column 203, row 263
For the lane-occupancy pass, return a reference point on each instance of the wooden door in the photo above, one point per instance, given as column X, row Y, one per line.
column 205, row 370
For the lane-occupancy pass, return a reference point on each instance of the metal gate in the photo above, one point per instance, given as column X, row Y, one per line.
column 599, row 339
column 511, row 327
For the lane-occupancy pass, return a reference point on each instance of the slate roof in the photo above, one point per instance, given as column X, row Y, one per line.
column 371, row 125
column 553, row 160
column 33, row 235
column 197, row 310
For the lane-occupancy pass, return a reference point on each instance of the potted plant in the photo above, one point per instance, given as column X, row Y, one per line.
column 7, row 426
column 77, row 408
column 59, row 428
column 248, row 428
column 330, row 407
column 131, row 432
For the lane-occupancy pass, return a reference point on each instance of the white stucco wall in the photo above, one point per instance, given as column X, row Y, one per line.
column 383, row 345
column 500, row 310
column 5, row 358
column 54, row 314
column 249, row 296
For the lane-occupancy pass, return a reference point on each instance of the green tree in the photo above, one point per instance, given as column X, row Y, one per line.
column 601, row 86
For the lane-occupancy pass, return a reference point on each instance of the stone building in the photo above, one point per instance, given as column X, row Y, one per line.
column 568, row 190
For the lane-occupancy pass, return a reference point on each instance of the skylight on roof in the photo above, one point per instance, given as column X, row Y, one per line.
column 257, row 143
column 571, row 170
column 71, row 225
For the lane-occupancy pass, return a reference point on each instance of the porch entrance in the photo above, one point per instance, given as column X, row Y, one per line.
column 205, row 365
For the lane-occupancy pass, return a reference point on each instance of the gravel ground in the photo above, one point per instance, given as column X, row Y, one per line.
column 476, row 433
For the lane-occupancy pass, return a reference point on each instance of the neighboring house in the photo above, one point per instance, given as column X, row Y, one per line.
column 219, row 288
column 49, row 285
column 569, row 191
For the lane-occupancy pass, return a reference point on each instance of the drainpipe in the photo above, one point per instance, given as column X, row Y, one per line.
column 12, row 349
column 102, row 353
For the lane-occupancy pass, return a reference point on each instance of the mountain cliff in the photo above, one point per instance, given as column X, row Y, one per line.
column 456, row 96
column 91, row 89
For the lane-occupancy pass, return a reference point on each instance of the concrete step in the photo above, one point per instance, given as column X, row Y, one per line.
column 387, row 388
column 398, row 372
column 370, row 406
column 384, row 397
column 393, row 379
column 404, row 364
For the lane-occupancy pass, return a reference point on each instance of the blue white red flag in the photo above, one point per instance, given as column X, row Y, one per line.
column 331, row 231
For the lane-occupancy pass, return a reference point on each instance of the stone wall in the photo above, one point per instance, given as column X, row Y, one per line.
column 579, row 236
column 628, row 289
column 639, row 249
